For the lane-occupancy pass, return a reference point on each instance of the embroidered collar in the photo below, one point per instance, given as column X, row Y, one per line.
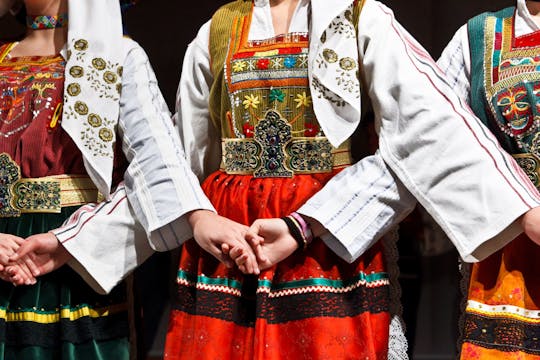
column 333, row 61
column 93, row 78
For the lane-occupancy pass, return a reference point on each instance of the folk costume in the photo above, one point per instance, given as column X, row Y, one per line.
column 63, row 121
column 266, row 120
column 492, row 61
column 274, row 114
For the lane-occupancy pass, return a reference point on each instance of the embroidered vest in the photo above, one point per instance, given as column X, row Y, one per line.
column 261, row 100
column 505, row 85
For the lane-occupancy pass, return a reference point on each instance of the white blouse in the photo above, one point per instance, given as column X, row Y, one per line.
column 432, row 147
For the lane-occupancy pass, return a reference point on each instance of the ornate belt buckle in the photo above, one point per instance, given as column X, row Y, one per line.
column 310, row 155
column 273, row 133
column 25, row 195
column 10, row 174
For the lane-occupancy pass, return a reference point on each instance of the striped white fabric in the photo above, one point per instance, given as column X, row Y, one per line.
column 433, row 144
column 110, row 239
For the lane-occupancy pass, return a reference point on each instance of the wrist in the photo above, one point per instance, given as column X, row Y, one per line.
column 296, row 231
column 305, row 227
column 196, row 215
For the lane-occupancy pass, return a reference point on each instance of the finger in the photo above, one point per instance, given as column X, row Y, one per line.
column 25, row 249
column 216, row 252
column 26, row 273
column 260, row 255
column 240, row 261
column 17, row 277
column 242, row 268
column 236, row 252
column 255, row 228
column 253, row 239
column 29, row 261
column 225, row 249
column 251, row 264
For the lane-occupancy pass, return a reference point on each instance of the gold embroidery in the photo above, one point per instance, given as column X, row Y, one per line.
column 40, row 88
column 76, row 71
column 81, row 45
column 330, row 55
column 530, row 164
column 81, row 108
column 347, row 63
column 109, row 77
column 99, row 63
column 74, row 89
column 106, row 134
column 94, row 120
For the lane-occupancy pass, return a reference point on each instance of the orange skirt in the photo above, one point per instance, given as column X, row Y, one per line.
column 313, row 305
column 502, row 320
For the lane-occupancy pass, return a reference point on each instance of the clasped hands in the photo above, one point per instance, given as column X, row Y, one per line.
column 251, row 249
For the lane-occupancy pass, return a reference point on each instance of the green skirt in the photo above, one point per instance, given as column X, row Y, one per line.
column 60, row 317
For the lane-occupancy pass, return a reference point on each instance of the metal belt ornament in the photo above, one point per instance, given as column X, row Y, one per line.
column 274, row 152
column 40, row 195
column 530, row 162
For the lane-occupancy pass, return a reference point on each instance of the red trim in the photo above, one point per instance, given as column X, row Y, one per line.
column 86, row 221
column 528, row 41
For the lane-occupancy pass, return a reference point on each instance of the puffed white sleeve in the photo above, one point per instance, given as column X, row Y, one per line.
column 147, row 212
column 358, row 206
column 455, row 63
column 435, row 145
column 198, row 134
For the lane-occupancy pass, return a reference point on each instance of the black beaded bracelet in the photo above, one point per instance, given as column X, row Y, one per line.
column 296, row 232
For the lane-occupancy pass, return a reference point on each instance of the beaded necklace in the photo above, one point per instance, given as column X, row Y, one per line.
column 41, row 22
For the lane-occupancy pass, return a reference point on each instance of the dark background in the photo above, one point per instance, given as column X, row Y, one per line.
column 164, row 28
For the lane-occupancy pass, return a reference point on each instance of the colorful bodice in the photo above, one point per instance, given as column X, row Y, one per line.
column 511, row 82
column 271, row 129
column 31, row 93
column 271, row 75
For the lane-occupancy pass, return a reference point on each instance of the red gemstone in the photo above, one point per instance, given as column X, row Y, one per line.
column 248, row 130
column 311, row 130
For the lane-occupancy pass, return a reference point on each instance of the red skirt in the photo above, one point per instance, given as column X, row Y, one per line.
column 312, row 305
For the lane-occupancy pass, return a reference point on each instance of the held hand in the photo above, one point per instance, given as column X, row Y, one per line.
column 278, row 242
column 9, row 244
column 217, row 235
column 41, row 253
column 530, row 222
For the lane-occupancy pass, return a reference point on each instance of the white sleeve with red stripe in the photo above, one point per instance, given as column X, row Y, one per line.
column 110, row 239
column 105, row 241
column 430, row 138
column 432, row 142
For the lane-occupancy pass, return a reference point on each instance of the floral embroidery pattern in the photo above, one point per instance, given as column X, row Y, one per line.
column 276, row 95
column 239, row 66
column 289, row 62
column 251, row 101
column 104, row 78
column 262, row 64
column 302, row 100
column 343, row 24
